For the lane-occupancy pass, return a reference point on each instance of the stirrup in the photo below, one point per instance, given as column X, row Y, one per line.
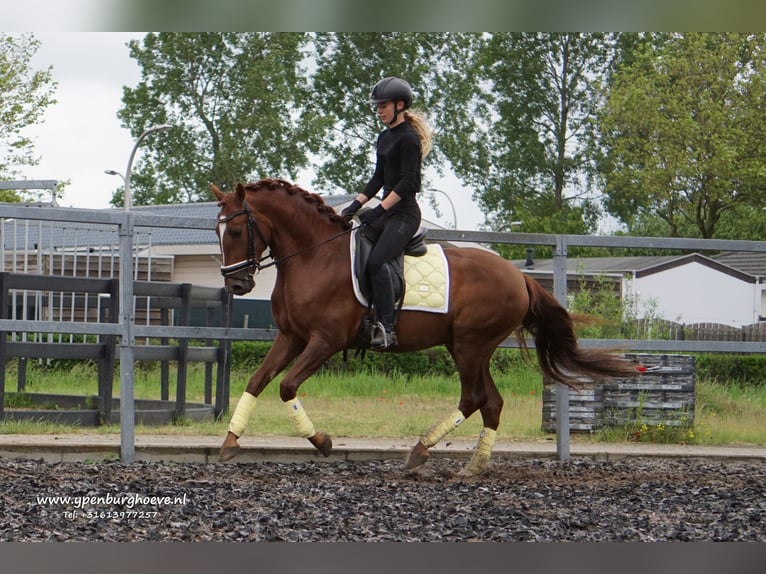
column 383, row 338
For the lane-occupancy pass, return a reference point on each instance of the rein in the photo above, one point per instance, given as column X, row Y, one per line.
column 253, row 262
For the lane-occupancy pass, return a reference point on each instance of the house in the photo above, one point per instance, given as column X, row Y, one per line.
column 685, row 289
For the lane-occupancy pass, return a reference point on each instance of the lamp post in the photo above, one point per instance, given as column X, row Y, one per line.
column 452, row 205
column 126, row 179
column 127, row 338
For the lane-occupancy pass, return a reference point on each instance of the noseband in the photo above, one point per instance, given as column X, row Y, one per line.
column 252, row 263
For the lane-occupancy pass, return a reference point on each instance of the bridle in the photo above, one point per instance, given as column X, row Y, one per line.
column 253, row 263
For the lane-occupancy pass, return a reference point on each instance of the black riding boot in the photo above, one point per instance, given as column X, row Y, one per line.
column 383, row 299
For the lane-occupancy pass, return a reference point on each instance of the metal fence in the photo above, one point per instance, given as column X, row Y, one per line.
column 129, row 227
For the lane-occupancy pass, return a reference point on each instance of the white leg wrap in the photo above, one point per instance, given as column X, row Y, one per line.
column 242, row 414
column 300, row 419
column 442, row 429
column 480, row 459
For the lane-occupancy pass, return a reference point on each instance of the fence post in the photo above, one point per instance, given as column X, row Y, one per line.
column 106, row 363
column 127, row 342
column 562, row 391
column 183, row 352
column 4, row 301
column 209, row 321
column 222, row 385
column 164, row 364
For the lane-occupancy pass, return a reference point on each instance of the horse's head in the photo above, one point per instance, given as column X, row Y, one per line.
column 241, row 239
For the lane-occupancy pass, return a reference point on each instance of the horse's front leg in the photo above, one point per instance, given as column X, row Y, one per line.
column 312, row 358
column 284, row 350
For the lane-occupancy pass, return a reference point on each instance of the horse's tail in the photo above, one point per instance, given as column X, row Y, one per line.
column 559, row 355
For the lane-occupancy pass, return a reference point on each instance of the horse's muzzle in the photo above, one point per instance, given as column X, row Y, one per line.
column 240, row 286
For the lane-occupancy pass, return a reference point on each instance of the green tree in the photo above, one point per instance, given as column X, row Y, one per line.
column 524, row 145
column 25, row 94
column 684, row 139
column 236, row 100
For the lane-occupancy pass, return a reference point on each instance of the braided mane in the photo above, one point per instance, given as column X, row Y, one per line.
column 272, row 184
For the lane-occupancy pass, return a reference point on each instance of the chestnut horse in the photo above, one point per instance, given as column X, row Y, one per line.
column 314, row 307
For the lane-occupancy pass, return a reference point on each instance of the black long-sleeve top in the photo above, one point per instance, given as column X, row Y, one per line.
column 398, row 165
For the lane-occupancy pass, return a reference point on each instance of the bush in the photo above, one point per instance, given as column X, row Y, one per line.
column 748, row 370
column 248, row 355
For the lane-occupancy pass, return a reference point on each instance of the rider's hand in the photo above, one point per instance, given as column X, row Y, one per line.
column 367, row 217
column 352, row 208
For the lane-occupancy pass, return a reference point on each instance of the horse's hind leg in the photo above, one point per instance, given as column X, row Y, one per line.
column 474, row 395
column 490, row 414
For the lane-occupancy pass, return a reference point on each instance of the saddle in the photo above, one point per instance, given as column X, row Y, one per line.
column 363, row 240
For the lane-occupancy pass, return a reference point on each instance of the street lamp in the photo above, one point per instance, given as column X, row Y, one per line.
column 126, row 178
column 452, row 205
column 112, row 172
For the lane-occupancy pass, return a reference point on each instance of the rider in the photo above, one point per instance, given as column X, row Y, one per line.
column 400, row 151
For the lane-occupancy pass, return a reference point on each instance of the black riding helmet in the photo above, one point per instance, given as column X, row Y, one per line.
column 392, row 89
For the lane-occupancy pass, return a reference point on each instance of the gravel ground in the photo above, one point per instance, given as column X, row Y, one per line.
column 637, row 499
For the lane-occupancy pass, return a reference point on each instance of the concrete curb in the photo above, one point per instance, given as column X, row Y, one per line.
column 204, row 449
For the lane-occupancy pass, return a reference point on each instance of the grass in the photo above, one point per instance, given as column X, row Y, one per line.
column 730, row 414
column 371, row 404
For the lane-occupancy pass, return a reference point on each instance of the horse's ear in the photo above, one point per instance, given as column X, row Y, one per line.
column 240, row 192
column 217, row 192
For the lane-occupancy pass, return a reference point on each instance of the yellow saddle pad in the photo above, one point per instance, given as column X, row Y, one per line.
column 426, row 281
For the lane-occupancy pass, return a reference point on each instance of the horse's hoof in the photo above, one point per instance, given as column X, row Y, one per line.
column 229, row 448
column 228, row 452
column 418, row 456
column 470, row 472
column 322, row 442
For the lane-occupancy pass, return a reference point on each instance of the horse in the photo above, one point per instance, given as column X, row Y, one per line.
column 317, row 314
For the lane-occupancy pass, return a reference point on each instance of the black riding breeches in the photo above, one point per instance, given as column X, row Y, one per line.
column 395, row 231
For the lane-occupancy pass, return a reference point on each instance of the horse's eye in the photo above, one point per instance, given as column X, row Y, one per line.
column 235, row 233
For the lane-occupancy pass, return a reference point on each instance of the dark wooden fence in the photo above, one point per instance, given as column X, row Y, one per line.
column 672, row 331
column 174, row 302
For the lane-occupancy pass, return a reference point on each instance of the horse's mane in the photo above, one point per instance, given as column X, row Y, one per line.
column 271, row 184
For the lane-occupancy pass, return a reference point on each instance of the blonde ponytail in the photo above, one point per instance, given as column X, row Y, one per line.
column 419, row 122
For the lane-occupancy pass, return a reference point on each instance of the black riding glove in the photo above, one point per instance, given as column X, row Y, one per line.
column 367, row 217
column 353, row 207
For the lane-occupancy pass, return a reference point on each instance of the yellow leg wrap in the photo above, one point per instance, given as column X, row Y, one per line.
column 439, row 431
column 242, row 414
column 300, row 419
column 480, row 458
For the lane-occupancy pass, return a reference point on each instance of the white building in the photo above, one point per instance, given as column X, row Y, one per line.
column 685, row 289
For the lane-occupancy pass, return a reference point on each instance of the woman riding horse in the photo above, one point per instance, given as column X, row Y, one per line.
column 400, row 151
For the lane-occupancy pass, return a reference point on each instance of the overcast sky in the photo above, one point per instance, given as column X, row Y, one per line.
column 81, row 135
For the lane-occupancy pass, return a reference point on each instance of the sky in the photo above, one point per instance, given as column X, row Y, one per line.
column 81, row 136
